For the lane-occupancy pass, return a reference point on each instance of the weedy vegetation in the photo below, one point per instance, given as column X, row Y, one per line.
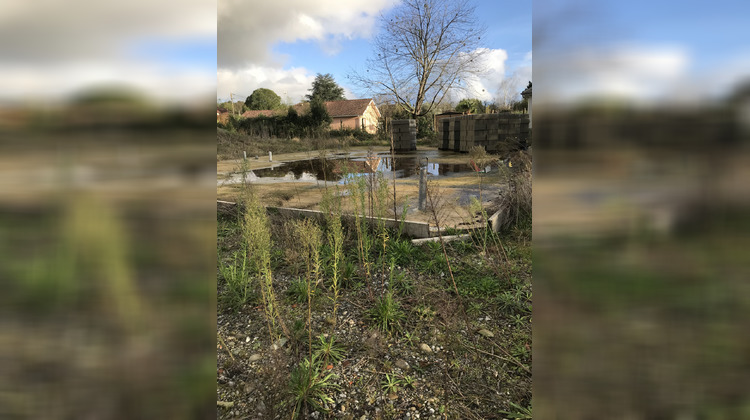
column 364, row 308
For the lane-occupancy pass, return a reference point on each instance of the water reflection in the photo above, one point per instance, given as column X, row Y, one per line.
column 343, row 169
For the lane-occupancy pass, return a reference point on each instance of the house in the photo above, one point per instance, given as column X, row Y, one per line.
column 354, row 114
column 222, row 115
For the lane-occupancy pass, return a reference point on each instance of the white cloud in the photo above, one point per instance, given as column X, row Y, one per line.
column 291, row 84
column 642, row 73
column 157, row 82
column 50, row 47
column 485, row 86
column 248, row 30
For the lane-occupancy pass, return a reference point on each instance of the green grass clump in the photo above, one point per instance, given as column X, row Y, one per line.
column 400, row 281
column 309, row 386
column 387, row 313
column 516, row 300
column 297, row 291
column 237, row 280
column 328, row 349
column 401, row 251
column 390, row 384
column 518, row 412
column 348, row 272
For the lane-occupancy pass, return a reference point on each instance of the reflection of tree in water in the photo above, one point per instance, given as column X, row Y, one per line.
column 338, row 169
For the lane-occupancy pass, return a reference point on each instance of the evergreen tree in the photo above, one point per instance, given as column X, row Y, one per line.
column 324, row 88
column 263, row 98
column 474, row 106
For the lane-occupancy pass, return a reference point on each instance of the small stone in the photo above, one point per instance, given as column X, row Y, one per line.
column 279, row 343
column 255, row 357
column 402, row 364
column 247, row 339
column 425, row 348
column 486, row 333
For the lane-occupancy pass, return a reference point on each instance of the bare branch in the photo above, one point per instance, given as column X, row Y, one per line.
column 425, row 49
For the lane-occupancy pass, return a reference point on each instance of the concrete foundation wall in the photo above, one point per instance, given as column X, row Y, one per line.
column 412, row 229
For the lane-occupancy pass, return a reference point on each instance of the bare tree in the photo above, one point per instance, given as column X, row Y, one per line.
column 425, row 49
column 509, row 91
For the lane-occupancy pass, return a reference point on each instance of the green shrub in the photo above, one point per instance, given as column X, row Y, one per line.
column 359, row 135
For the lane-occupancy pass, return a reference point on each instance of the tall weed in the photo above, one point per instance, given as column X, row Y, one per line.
column 310, row 238
column 358, row 194
column 257, row 234
column 381, row 207
column 515, row 202
column 335, row 233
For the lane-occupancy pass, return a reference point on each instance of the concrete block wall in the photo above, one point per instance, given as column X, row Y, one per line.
column 404, row 135
column 496, row 133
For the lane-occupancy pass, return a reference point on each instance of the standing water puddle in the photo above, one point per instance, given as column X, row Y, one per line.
column 341, row 169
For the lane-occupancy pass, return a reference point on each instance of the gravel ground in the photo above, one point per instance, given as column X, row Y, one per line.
column 454, row 358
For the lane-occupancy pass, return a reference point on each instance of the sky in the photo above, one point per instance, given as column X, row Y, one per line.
column 176, row 50
column 282, row 45
column 52, row 49
column 648, row 52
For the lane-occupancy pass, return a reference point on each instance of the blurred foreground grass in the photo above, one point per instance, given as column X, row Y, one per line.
column 641, row 232
column 107, row 231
